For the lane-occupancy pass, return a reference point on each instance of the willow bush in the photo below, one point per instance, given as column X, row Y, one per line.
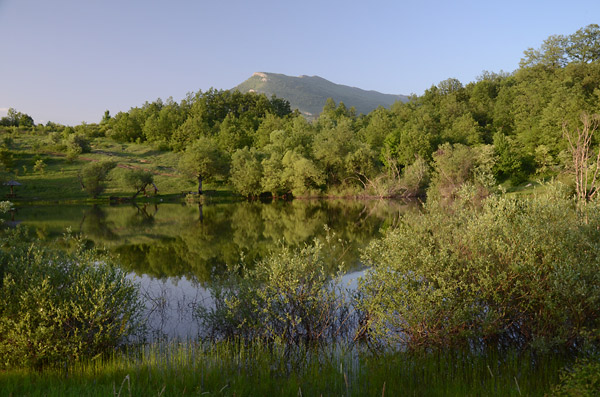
column 61, row 302
column 513, row 273
column 288, row 297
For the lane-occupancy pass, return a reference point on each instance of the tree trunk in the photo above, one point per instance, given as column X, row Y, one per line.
column 199, row 184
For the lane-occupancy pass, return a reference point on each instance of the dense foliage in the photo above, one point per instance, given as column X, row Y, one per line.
column 61, row 302
column 516, row 272
column 512, row 123
column 287, row 297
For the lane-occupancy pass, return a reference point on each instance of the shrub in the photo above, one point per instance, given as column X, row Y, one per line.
column 415, row 178
column 39, row 166
column 288, row 297
column 60, row 305
column 7, row 158
column 93, row 176
column 73, row 151
column 78, row 142
column 582, row 380
column 516, row 272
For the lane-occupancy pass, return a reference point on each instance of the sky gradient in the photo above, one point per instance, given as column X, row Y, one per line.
column 68, row 61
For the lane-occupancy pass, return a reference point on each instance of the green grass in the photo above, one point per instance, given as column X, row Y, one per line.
column 226, row 368
column 59, row 181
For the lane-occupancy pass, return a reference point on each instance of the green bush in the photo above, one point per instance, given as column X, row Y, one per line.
column 582, row 380
column 288, row 297
column 515, row 272
column 60, row 305
column 93, row 176
column 78, row 143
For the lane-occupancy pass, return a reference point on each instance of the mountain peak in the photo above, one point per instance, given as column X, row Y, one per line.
column 308, row 94
column 263, row 76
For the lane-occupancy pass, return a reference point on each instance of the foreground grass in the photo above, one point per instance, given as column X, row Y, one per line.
column 234, row 369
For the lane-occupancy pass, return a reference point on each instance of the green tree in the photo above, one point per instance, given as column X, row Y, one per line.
column 203, row 160
column 246, row 172
column 139, row 180
column 93, row 176
column 233, row 134
column 106, row 118
column 299, row 173
column 584, row 45
column 551, row 54
column 510, row 163
column 14, row 118
column 127, row 126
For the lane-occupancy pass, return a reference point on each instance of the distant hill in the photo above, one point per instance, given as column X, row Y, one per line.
column 309, row 93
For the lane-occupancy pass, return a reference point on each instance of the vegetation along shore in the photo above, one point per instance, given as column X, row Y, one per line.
column 491, row 286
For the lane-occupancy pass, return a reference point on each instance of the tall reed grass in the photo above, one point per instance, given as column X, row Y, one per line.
column 258, row 369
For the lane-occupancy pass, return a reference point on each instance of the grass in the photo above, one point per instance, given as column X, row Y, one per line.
column 232, row 368
column 59, row 181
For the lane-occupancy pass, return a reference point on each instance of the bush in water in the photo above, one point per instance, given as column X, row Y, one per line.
column 515, row 272
column 60, row 305
column 287, row 297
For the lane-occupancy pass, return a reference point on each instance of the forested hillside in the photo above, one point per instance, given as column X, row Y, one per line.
column 308, row 94
column 502, row 127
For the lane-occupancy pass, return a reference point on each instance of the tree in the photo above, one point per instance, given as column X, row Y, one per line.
column 106, row 118
column 551, row 54
column 16, row 119
column 127, row 126
column 300, row 173
column 203, row 160
column 584, row 166
column 584, row 45
column 557, row 50
column 246, row 172
column 93, row 176
column 139, row 179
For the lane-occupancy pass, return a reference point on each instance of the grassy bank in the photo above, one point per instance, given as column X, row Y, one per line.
column 57, row 179
column 228, row 368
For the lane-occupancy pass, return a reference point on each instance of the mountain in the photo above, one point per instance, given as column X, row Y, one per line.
column 309, row 93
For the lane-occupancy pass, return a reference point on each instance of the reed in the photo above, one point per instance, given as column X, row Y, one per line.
column 238, row 368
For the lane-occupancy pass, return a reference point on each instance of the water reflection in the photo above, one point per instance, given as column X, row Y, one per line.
column 171, row 305
column 174, row 250
column 175, row 240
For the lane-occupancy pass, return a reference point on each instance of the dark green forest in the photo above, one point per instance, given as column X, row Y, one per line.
column 502, row 128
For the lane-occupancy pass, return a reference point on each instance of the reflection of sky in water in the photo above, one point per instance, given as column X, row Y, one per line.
column 350, row 280
column 170, row 305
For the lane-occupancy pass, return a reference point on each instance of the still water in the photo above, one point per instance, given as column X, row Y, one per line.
column 174, row 250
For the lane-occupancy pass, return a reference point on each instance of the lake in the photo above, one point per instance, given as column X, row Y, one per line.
column 175, row 250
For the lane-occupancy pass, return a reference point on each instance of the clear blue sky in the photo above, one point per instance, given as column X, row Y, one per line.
column 70, row 60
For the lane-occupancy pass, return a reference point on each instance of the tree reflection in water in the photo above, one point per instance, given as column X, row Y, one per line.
column 174, row 250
